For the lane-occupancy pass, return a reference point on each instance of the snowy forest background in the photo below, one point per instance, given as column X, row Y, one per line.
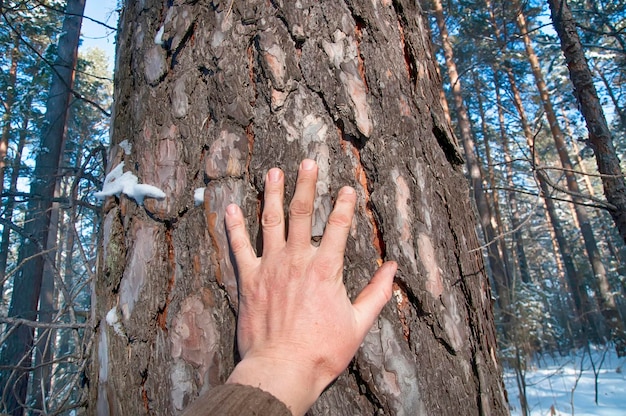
column 557, row 262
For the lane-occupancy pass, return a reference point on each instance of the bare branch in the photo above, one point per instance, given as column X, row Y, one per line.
column 37, row 324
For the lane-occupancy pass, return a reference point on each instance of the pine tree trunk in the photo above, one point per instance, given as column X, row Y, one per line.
column 45, row 337
column 602, row 287
column 10, row 201
column 575, row 281
column 599, row 133
column 7, row 105
column 230, row 89
column 516, row 222
column 602, row 142
column 496, row 263
column 27, row 282
column 493, row 198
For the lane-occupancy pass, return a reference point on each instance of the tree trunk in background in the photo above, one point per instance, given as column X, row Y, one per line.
column 611, row 93
column 493, row 198
column 616, row 247
column 574, row 280
column 498, row 268
column 601, row 141
column 8, row 110
column 232, row 89
column 44, row 340
column 600, row 136
column 27, row 281
column 602, row 287
column 516, row 223
column 10, row 204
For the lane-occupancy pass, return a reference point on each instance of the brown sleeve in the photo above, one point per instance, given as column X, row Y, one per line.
column 236, row 400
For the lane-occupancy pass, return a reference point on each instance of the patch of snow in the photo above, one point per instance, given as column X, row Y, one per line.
column 113, row 320
column 566, row 385
column 198, row 196
column 158, row 39
column 126, row 146
column 118, row 182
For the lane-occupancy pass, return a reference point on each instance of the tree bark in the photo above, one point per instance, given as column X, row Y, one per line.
column 27, row 282
column 231, row 89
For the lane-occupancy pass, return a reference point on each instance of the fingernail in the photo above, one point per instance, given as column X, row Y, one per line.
column 231, row 209
column 274, row 175
column 308, row 164
column 347, row 190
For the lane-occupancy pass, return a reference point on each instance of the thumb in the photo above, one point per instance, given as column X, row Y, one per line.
column 374, row 296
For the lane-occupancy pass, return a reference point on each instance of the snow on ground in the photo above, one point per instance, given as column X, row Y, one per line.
column 551, row 380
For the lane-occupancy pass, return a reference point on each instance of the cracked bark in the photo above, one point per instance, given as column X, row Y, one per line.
column 232, row 89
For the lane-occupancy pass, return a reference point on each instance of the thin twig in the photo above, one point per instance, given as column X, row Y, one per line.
column 37, row 324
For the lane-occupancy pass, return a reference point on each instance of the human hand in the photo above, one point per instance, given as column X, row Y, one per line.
column 297, row 329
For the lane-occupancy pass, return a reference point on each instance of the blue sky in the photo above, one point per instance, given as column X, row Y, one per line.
column 95, row 35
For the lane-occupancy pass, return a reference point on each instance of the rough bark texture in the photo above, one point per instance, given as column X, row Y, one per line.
column 230, row 89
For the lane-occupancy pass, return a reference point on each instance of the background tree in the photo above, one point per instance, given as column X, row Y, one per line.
column 60, row 338
column 211, row 96
column 27, row 283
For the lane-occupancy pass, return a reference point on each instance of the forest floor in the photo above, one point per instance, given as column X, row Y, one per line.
column 566, row 385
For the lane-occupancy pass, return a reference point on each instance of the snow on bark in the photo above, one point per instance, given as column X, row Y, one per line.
column 118, row 182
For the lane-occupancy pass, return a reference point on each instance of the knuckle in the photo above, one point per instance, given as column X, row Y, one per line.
column 238, row 244
column 271, row 219
column 340, row 220
column 234, row 224
column 273, row 190
column 300, row 208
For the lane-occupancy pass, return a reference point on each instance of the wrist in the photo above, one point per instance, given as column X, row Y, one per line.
column 295, row 386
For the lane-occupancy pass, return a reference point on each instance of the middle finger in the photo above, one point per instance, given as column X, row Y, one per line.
column 301, row 207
